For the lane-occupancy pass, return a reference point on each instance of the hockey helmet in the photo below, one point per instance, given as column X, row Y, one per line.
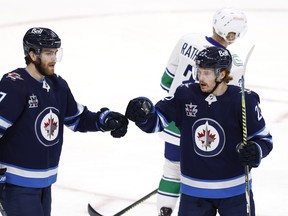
column 214, row 57
column 38, row 38
column 228, row 20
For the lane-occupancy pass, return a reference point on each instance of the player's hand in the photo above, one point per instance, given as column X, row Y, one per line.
column 139, row 109
column 112, row 121
column 249, row 154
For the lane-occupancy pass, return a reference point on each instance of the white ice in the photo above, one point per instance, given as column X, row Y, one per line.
column 115, row 50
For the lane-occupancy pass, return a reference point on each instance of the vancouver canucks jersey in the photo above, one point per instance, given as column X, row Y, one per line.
column 181, row 68
column 32, row 114
column 211, row 128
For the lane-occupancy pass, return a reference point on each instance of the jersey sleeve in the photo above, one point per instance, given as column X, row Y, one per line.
column 171, row 68
column 256, row 126
column 160, row 117
column 77, row 116
column 12, row 102
column 167, row 111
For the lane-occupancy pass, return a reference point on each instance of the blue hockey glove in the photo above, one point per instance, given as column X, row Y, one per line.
column 139, row 109
column 112, row 121
column 249, row 154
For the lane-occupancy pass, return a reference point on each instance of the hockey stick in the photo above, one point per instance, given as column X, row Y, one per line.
column 93, row 212
column 2, row 211
column 244, row 131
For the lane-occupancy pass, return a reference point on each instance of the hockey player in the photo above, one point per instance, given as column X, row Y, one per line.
column 228, row 25
column 209, row 117
column 35, row 104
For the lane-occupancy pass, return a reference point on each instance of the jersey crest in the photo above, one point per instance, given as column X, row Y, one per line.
column 191, row 110
column 237, row 60
column 208, row 137
column 33, row 101
column 14, row 76
column 47, row 127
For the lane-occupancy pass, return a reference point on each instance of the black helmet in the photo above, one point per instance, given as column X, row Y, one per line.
column 38, row 38
column 214, row 57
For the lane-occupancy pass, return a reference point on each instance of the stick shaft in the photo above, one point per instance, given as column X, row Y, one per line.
column 244, row 132
column 93, row 212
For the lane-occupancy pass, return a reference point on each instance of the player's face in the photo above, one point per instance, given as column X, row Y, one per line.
column 230, row 38
column 48, row 60
column 206, row 77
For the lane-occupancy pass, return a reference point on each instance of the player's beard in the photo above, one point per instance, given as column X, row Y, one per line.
column 44, row 69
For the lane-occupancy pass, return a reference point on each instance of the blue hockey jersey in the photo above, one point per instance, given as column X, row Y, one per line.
column 32, row 115
column 211, row 128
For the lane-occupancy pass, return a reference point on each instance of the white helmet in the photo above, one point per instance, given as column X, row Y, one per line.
column 230, row 20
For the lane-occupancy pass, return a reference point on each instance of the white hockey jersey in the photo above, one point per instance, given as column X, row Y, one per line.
column 181, row 68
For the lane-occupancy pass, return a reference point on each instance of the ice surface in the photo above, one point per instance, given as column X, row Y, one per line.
column 115, row 50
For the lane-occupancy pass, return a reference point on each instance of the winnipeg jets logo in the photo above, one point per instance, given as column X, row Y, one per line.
column 208, row 137
column 33, row 102
column 191, row 110
column 47, row 126
column 51, row 126
column 14, row 76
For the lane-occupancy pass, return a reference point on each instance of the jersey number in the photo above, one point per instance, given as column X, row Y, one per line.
column 259, row 113
column 193, row 76
column 2, row 95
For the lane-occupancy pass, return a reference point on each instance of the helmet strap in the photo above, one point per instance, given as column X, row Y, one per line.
column 216, row 85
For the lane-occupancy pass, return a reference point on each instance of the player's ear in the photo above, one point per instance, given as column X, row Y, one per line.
column 32, row 55
column 222, row 74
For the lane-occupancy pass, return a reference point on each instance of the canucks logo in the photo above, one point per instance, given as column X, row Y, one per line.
column 236, row 60
column 208, row 137
column 47, row 126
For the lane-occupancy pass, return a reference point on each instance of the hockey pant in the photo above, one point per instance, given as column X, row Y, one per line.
column 26, row 201
column 232, row 206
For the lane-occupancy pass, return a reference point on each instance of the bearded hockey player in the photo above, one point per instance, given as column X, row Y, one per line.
column 35, row 104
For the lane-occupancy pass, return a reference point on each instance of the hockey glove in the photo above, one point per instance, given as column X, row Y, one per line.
column 250, row 154
column 139, row 109
column 112, row 121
